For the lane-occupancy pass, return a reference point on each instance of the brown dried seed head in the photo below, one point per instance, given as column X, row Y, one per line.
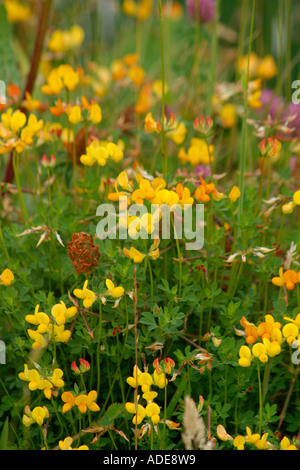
column 83, row 253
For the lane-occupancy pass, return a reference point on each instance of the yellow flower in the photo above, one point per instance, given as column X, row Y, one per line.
column 286, row 445
column 66, row 445
column 290, row 331
column 114, row 151
column 95, row 114
column 251, row 438
column 69, row 401
column 17, row 12
column 151, row 125
column 134, row 254
column 263, row 444
column 288, row 207
column 296, row 198
column 137, row 74
column 145, row 381
column 227, row 116
column 234, row 194
column 75, row 114
column 61, row 313
column 132, row 381
column 152, row 411
column 37, row 415
column 39, row 318
column 245, row 356
column 259, row 350
column 85, row 402
column 160, row 379
column 6, row 277
column 267, row 68
column 59, row 333
column 239, row 442
column 86, row 295
column 115, row 292
column 222, row 434
column 178, row 133
column 139, row 412
column 38, row 339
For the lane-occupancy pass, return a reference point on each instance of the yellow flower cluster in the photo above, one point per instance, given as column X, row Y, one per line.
column 45, row 382
column 66, row 40
column 50, row 328
column 255, row 439
column 271, row 334
column 146, row 381
column 198, row 153
column 63, row 77
column 140, row 9
column 17, row 132
column 99, row 152
column 82, row 401
column 288, row 278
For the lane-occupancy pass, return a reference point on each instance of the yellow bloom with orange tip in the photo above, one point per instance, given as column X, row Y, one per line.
column 115, row 292
column 296, row 198
column 38, row 318
column 85, row 402
column 234, row 194
column 6, row 277
column 69, row 401
column 223, row 434
column 267, row 68
column 145, row 191
column 86, row 295
column 151, row 125
column 290, row 331
column 184, row 195
column 286, row 445
column 251, row 334
column 152, row 411
column 204, row 190
column 291, row 278
column 239, row 442
column 245, row 356
column 259, row 350
column 134, row 254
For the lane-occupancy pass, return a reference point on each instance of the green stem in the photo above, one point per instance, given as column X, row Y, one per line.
column 214, row 49
column 20, row 194
column 260, row 397
column 163, row 133
column 244, row 126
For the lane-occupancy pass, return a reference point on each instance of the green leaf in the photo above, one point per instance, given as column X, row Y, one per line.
column 4, row 436
column 113, row 412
